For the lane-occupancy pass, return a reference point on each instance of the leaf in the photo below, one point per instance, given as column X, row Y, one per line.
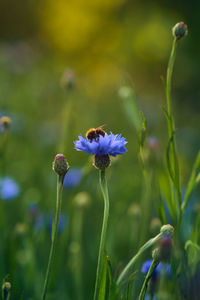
column 103, row 278
column 193, row 181
column 161, row 210
column 112, row 287
column 128, row 291
column 169, row 162
column 129, row 102
column 193, row 254
column 143, row 129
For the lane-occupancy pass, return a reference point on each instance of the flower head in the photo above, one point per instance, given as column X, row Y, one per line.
column 5, row 123
column 111, row 144
column 44, row 221
column 180, row 30
column 9, row 189
column 73, row 178
column 161, row 267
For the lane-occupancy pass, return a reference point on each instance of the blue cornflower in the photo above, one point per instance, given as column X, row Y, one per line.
column 44, row 221
column 161, row 267
column 109, row 144
column 33, row 211
column 63, row 220
column 73, row 178
column 9, row 189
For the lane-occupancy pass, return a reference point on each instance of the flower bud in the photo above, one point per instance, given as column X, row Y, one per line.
column 6, row 287
column 179, row 30
column 156, row 255
column 155, row 225
column 60, row 165
column 5, row 123
column 167, row 230
column 134, row 211
column 102, row 162
column 82, row 199
column 68, row 79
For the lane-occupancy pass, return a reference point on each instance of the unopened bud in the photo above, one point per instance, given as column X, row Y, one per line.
column 82, row 199
column 6, row 288
column 179, row 30
column 60, row 165
column 20, row 229
column 68, row 79
column 102, row 162
column 155, row 225
column 167, row 230
column 156, row 255
column 134, row 211
column 5, row 122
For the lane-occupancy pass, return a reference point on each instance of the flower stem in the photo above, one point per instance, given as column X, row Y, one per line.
column 148, row 276
column 173, row 165
column 55, row 223
column 147, row 245
column 104, row 189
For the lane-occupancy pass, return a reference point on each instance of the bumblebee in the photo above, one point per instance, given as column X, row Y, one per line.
column 94, row 133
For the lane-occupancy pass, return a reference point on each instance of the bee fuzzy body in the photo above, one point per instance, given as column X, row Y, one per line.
column 94, row 133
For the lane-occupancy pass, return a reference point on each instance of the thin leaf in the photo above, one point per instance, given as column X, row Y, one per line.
column 103, row 278
column 193, row 181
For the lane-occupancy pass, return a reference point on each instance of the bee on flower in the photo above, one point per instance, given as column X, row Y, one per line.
column 102, row 145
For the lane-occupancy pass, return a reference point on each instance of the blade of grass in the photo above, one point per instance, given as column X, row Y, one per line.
column 193, row 181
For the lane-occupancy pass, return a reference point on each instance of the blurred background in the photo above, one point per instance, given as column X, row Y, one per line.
column 67, row 66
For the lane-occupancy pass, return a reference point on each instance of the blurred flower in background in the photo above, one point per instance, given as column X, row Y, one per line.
column 161, row 268
column 68, row 79
column 9, row 189
column 44, row 222
column 63, row 221
column 73, row 178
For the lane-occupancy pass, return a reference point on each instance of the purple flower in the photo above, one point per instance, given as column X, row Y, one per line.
column 9, row 189
column 73, row 178
column 112, row 144
column 161, row 267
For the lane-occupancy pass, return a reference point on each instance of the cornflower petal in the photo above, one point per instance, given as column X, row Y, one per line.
column 109, row 144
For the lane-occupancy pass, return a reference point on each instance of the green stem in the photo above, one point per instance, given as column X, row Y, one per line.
column 171, row 126
column 104, row 189
column 54, row 233
column 148, row 276
column 147, row 245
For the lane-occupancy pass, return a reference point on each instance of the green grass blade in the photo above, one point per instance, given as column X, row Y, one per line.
column 103, row 278
column 193, row 181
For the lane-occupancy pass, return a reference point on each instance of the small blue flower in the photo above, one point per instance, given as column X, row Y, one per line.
column 61, row 224
column 73, row 178
column 44, row 221
column 161, row 267
column 9, row 189
column 39, row 222
column 112, row 144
